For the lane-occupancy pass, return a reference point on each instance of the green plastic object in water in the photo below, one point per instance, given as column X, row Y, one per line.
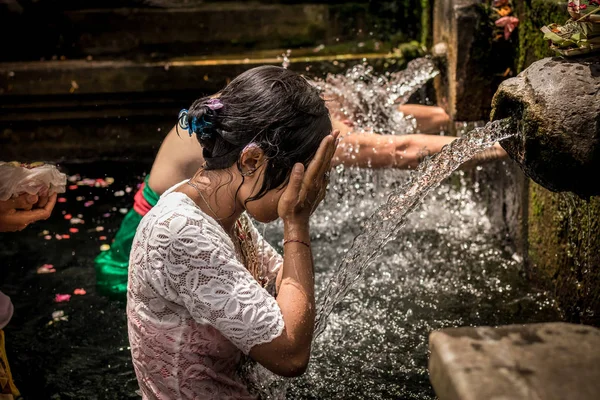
column 112, row 265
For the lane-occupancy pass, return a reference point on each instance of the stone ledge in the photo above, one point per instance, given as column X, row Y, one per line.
column 537, row 361
column 79, row 77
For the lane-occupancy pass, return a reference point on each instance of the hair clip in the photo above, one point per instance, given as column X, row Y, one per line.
column 214, row 104
column 194, row 125
column 183, row 122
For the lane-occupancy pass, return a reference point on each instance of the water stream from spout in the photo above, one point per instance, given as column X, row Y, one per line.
column 385, row 223
column 369, row 100
column 384, row 226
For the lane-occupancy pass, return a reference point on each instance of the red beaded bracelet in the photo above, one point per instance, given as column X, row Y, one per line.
column 295, row 241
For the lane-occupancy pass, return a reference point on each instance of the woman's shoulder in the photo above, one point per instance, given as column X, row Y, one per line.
column 178, row 216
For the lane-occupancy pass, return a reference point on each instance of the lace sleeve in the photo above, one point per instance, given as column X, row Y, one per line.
column 203, row 273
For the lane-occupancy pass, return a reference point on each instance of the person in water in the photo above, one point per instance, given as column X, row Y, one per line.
column 180, row 156
column 205, row 289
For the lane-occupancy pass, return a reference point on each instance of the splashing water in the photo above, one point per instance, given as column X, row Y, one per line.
column 388, row 219
column 381, row 227
column 368, row 99
column 285, row 57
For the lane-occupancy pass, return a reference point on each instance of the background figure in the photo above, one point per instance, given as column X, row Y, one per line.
column 15, row 215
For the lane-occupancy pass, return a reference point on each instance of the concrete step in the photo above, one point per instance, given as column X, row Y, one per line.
column 92, row 109
column 61, row 85
column 549, row 361
column 207, row 28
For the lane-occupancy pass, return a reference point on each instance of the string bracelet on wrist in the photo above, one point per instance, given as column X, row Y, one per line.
column 296, row 241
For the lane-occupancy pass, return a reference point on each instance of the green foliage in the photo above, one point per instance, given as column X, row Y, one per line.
column 534, row 15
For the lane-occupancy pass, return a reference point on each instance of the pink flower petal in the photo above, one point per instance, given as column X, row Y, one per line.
column 509, row 23
column 59, row 298
column 46, row 269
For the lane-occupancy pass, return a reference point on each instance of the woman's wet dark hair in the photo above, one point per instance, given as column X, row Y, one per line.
column 272, row 107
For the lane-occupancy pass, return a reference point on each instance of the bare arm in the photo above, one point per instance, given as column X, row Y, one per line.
column 369, row 150
column 429, row 119
column 289, row 353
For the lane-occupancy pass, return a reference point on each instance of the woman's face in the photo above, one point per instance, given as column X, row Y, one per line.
column 265, row 209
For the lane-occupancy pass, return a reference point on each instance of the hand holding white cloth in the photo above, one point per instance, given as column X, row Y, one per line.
column 42, row 180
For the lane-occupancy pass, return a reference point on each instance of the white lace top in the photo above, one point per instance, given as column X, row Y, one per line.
column 192, row 307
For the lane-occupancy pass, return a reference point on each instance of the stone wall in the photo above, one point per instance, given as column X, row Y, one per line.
column 556, row 233
column 533, row 14
column 150, row 29
column 564, row 250
column 562, row 229
column 475, row 62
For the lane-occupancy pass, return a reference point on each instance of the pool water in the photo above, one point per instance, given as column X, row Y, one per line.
column 448, row 267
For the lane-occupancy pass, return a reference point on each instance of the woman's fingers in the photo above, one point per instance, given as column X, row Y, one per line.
column 49, row 206
column 20, row 219
column 289, row 198
column 311, row 177
column 332, row 150
column 42, row 201
column 12, row 220
column 295, row 184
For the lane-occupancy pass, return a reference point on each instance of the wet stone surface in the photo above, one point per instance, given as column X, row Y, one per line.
column 534, row 361
column 446, row 268
column 557, row 105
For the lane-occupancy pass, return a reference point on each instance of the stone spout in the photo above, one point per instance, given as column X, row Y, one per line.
column 556, row 103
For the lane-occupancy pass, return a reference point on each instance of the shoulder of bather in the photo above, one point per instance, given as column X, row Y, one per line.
column 178, row 204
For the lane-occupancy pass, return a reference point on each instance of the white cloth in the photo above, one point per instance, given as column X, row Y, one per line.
column 41, row 180
column 192, row 306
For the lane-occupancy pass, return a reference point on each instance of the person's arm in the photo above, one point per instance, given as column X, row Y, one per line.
column 217, row 289
column 16, row 214
column 288, row 354
column 370, row 150
column 429, row 119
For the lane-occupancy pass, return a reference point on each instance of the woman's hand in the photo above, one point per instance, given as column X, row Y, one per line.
column 288, row 354
column 306, row 189
column 17, row 213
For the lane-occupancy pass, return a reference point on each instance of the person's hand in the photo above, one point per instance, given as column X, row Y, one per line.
column 16, row 214
column 307, row 188
column 42, row 201
column 22, row 202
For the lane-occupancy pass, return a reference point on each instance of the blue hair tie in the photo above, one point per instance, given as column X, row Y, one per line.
column 194, row 125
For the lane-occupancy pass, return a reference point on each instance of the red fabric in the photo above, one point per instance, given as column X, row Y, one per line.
column 140, row 204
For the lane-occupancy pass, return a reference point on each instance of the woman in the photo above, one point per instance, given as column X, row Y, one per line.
column 204, row 288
